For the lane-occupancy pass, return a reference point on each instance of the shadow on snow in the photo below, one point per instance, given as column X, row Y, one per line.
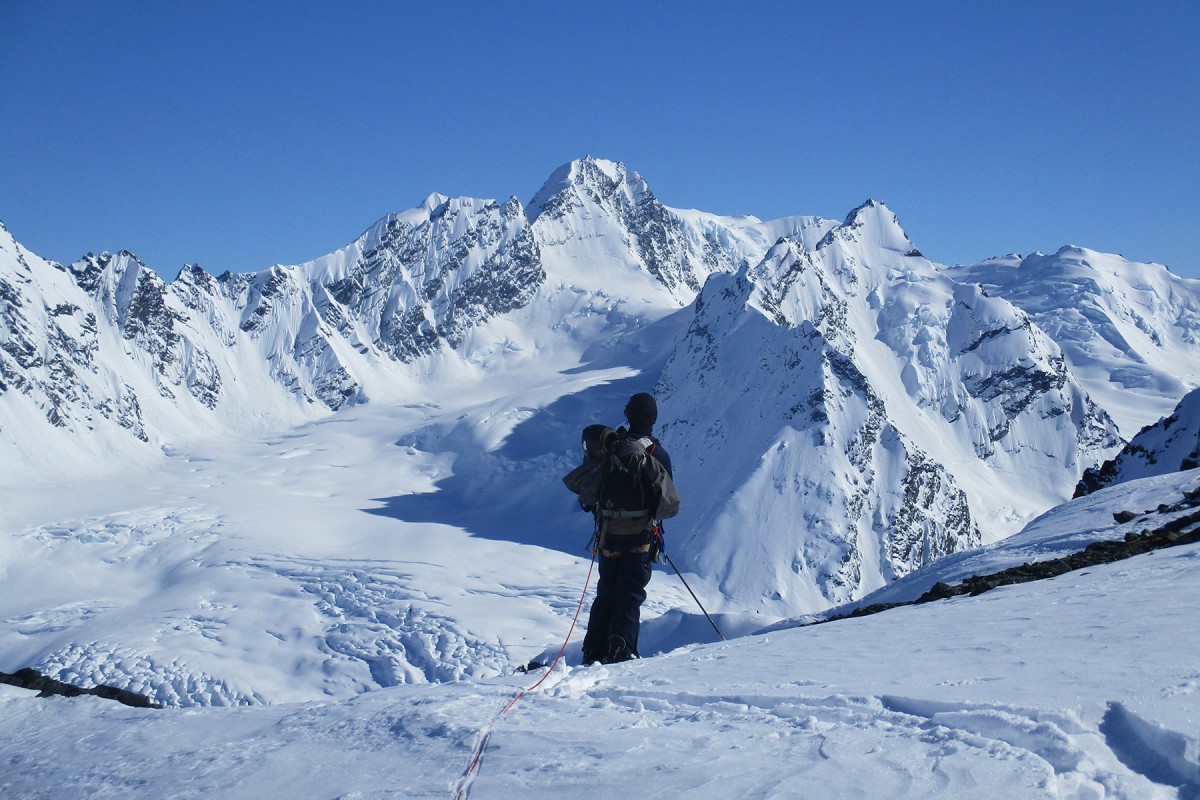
column 514, row 493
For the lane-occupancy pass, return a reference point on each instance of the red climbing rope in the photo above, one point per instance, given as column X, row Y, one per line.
column 464, row 785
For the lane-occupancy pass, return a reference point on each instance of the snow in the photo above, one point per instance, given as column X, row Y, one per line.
column 355, row 588
column 1125, row 326
column 1081, row 686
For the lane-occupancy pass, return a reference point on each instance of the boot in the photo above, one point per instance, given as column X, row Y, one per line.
column 618, row 650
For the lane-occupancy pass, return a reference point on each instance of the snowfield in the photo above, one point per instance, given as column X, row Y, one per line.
column 1083, row 686
column 361, row 655
column 315, row 512
column 322, row 562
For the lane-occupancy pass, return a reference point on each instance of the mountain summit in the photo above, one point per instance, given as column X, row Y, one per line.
column 848, row 406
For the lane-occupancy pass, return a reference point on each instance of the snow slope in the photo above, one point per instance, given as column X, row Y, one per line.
column 1128, row 329
column 361, row 551
column 1077, row 687
column 1171, row 444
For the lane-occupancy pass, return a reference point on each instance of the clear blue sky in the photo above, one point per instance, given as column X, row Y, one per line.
column 243, row 134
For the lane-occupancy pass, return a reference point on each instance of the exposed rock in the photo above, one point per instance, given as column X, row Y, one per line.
column 28, row 678
column 1181, row 530
column 1170, row 445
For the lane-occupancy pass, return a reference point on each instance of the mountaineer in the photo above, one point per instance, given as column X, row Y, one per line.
column 626, row 482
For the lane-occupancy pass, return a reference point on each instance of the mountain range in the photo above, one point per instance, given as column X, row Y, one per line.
column 841, row 410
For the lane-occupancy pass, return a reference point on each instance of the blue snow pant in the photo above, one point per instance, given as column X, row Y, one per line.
column 617, row 609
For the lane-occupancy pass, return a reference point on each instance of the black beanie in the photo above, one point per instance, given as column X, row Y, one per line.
column 641, row 409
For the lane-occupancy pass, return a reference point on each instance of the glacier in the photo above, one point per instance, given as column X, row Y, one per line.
column 844, row 412
column 315, row 510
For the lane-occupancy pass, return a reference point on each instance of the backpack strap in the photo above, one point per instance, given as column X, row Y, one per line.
column 613, row 514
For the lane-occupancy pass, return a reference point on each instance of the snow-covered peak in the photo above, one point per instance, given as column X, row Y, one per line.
column 107, row 269
column 600, row 226
column 12, row 247
column 589, row 178
column 434, row 200
column 872, row 225
column 113, row 280
column 1130, row 330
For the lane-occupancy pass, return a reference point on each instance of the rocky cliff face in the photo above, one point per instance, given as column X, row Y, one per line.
column 1170, row 445
column 845, row 413
column 421, row 280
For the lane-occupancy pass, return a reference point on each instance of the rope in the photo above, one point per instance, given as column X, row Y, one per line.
column 464, row 784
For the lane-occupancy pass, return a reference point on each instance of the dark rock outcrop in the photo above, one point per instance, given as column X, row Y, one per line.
column 1181, row 530
column 28, row 678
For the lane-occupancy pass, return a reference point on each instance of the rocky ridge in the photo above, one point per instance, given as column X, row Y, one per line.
column 1170, row 445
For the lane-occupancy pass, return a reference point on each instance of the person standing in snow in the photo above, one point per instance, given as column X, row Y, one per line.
column 629, row 541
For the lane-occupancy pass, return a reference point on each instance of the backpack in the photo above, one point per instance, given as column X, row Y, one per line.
column 584, row 480
column 621, row 481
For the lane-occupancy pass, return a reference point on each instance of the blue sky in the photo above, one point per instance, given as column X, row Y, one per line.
column 239, row 135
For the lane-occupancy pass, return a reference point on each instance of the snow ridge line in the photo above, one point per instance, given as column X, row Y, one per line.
column 1169, row 535
column 464, row 786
